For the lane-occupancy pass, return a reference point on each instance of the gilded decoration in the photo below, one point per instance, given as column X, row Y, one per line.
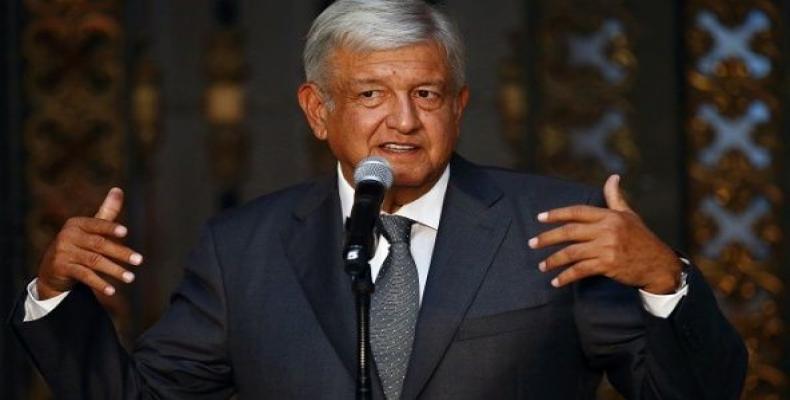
column 733, row 127
column 585, row 73
column 73, row 134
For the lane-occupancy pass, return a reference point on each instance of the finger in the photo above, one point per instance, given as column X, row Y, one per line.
column 576, row 272
column 570, row 254
column 111, row 206
column 572, row 232
column 99, row 263
column 101, row 245
column 613, row 195
column 576, row 213
column 89, row 278
column 99, row 226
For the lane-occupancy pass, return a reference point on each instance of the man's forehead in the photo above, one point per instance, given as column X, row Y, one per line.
column 425, row 61
column 422, row 80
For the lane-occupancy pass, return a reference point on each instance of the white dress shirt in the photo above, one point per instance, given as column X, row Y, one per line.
column 426, row 211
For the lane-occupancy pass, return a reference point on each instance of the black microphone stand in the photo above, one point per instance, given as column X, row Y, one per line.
column 356, row 255
column 357, row 265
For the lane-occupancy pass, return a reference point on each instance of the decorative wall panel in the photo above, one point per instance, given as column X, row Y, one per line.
column 74, row 135
column 733, row 136
column 586, row 69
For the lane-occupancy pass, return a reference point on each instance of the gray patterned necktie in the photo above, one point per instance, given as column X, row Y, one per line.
column 394, row 306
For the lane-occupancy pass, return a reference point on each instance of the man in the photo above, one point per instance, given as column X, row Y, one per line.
column 502, row 309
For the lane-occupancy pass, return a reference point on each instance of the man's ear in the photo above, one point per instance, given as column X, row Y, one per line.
column 461, row 100
column 314, row 108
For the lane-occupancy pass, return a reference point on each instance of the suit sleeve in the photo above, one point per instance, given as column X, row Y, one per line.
column 693, row 354
column 183, row 356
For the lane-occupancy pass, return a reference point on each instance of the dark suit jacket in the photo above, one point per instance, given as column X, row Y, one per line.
column 266, row 310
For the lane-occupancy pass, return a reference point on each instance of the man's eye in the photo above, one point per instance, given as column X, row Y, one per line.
column 368, row 94
column 426, row 94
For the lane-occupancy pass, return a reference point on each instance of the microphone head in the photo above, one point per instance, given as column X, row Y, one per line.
column 374, row 168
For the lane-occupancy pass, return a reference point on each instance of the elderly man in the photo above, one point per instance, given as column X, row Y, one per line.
column 504, row 285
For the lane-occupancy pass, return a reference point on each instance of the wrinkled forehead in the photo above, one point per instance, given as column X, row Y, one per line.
column 425, row 60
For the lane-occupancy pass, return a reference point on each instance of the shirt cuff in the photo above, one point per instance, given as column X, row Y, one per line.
column 661, row 305
column 35, row 308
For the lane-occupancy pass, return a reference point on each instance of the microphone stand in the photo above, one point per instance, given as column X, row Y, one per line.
column 357, row 251
column 358, row 267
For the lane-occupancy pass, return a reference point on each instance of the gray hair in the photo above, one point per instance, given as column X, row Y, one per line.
column 371, row 25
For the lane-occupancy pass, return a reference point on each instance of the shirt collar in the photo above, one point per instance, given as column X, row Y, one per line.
column 425, row 210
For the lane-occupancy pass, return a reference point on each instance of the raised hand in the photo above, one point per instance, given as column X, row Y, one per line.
column 612, row 241
column 85, row 250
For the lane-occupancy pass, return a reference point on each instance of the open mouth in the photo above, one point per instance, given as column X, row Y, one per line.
column 398, row 147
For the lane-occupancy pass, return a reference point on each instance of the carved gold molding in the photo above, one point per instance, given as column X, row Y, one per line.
column 733, row 136
column 73, row 133
column 585, row 74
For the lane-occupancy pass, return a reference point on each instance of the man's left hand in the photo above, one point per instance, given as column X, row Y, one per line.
column 612, row 241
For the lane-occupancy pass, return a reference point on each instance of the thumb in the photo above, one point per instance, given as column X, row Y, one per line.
column 613, row 194
column 111, row 206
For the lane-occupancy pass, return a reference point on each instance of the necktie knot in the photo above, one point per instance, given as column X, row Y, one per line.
column 395, row 228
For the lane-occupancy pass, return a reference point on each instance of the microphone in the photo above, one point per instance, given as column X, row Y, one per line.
column 373, row 176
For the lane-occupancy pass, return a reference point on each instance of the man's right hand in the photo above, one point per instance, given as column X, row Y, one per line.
column 86, row 249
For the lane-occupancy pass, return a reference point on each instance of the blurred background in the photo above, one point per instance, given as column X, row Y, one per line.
column 189, row 105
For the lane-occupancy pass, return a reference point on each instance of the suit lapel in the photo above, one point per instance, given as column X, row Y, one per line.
column 471, row 230
column 314, row 248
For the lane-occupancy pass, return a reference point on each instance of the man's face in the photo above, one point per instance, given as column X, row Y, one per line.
column 399, row 104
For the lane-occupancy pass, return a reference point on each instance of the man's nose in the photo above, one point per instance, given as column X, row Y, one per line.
column 404, row 117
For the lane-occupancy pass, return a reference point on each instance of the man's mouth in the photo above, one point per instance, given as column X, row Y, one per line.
column 398, row 147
